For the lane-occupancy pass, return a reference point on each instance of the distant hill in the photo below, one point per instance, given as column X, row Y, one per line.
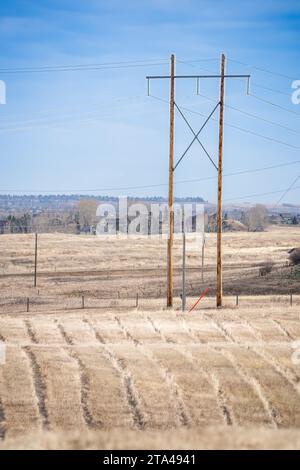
column 55, row 202
column 36, row 203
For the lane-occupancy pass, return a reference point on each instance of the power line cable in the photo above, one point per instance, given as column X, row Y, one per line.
column 97, row 64
column 253, row 83
column 261, row 69
column 78, row 68
column 294, row 188
column 248, row 131
column 44, row 121
column 126, row 188
column 287, row 191
column 259, row 194
column 43, row 114
column 274, row 104
column 255, row 116
column 57, row 122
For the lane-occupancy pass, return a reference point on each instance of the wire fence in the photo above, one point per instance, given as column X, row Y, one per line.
column 44, row 304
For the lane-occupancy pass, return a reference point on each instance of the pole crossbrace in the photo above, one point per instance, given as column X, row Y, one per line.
column 195, row 136
column 154, row 77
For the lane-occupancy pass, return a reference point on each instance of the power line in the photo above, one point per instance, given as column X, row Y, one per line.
column 79, row 68
column 255, row 116
column 157, row 185
column 143, row 62
column 253, row 83
column 248, row 131
column 274, row 104
column 262, row 69
column 249, row 196
column 46, row 124
column 287, row 191
column 261, row 194
column 43, row 114
column 56, row 120
column 262, row 136
column 124, row 62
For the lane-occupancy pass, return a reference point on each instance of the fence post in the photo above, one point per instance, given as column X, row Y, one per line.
column 237, row 300
column 27, row 304
column 291, row 299
column 82, row 301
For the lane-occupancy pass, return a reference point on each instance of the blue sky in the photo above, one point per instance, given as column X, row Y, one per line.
column 86, row 130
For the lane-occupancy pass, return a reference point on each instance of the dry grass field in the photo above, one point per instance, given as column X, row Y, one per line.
column 105, row 267
column 143, row 371
column 117, row 376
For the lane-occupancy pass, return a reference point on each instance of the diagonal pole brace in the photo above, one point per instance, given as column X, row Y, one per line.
column 196, row 135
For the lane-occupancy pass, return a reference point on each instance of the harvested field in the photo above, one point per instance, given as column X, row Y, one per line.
column 103, row 374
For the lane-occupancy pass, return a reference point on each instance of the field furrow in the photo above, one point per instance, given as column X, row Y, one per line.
column 203, row 329
column 241, row 397
column 240, row 332
column 284, row 357
column 260, row 403
column 13, row 331
column 168, row 390
column 170, row 330
column 129, row 392
column 75, row 331
column 30, row 331
column 278, row 391
column 46, row 331
column 106, row 328
column 269, row 331
column 290, row 327
column 19, row 403
column 105, row 398
column 139, row 328
column 196, row 390
column 58, row 387
column 2, row 421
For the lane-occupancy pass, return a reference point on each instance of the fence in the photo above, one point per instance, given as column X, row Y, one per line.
column 43, row 303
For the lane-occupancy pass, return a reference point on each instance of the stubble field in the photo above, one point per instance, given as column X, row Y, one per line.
column 117, row 376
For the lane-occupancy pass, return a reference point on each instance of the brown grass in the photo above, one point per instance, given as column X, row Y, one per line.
column 120, row 377
column 104, row 267
column 148, row 371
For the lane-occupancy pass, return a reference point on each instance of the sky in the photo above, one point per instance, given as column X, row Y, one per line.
column 98, row 132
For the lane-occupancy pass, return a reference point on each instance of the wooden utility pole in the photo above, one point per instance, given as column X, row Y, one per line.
column 220, row 188
column 183, row 272
column 35, row 260
column 171, row 185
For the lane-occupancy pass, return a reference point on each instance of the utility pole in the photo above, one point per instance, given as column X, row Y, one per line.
column 183, row 272
column 202, row 257
column 35, row 260
column 173, row 104
column 171, row 186
column 183, row 265
column 220, row 187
